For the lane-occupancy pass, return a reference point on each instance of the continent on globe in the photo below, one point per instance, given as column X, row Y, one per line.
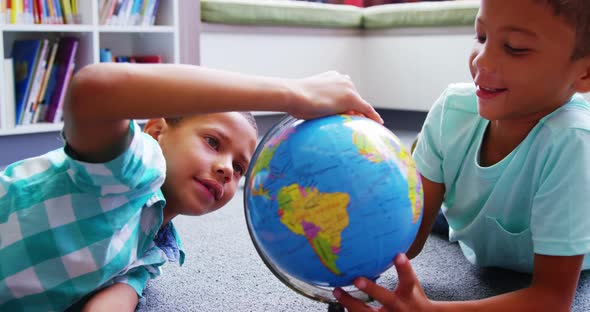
column 414, row 184
column 320, row 217
column 369, row 148
column 267, row 154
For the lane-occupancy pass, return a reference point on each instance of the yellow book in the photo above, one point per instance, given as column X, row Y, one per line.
column 14, row 11
column 51, row 11
column 67, row 11
column 74, row 5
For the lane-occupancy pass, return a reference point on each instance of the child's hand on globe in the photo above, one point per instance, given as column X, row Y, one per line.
column 328, row 93
column 407, row 296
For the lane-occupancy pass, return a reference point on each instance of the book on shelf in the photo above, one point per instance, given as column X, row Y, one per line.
column 106, row 56
column 24, row 55
column 39, row 11
column 36, row 79
column 42, row 75
column 40, row 108
column 128, row 12
column 64, row 66
column 7, row 113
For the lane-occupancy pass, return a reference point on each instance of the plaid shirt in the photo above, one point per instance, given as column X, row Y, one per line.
column 68, row 228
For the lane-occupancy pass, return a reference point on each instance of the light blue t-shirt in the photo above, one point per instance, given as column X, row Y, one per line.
column 534, row 201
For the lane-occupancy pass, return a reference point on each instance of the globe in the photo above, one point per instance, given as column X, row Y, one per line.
column 331, row 199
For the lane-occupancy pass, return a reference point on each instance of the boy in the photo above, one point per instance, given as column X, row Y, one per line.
column 94, row 217
column 507, row 158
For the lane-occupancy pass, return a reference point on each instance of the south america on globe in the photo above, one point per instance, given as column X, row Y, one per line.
column 331, row 199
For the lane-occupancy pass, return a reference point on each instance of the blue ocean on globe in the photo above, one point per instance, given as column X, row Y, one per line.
column 331, row 199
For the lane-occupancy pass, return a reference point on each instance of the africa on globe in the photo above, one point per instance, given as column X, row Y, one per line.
column 331, row 199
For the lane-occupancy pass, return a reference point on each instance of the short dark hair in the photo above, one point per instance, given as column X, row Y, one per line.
column 173, row 121
column 577, row 14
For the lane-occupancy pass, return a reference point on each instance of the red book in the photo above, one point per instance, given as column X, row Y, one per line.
column 148, row 59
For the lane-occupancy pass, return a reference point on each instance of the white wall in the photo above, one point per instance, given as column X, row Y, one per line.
column 282, row 52
column 395, row 69
column 409, row 68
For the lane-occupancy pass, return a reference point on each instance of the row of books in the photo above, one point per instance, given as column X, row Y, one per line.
column 39, row 12
column 128, row 12
column 41, row 71
column 107, row 56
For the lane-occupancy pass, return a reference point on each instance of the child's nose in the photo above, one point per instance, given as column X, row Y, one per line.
column 224, row 169
column 484, row 61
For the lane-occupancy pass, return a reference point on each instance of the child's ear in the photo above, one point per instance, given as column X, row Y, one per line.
column 582, row 84
column 154, row 127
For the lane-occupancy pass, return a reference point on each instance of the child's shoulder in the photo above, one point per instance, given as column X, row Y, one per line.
column 574, row 116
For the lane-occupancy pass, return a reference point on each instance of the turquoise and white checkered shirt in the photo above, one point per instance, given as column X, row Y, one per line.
column 68, row 228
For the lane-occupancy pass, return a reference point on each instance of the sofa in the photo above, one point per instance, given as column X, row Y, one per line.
column 400, row 56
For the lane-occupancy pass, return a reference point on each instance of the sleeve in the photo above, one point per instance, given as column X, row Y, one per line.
column 428, row 154
column 140, row 167
column 137, row 278
column 560, row 217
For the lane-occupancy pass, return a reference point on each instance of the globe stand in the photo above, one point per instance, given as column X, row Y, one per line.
column 335, row 307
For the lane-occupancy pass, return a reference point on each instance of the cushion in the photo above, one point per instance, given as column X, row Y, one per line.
column 281, row 13
column 421, row 14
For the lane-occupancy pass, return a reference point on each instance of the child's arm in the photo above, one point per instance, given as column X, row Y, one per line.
column 102, row 97
column 117, row 297
column 552, row 289
column 433, row 198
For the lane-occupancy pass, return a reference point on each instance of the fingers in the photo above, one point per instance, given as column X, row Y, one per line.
column 364, row 108
column 407, row 278
column 381, row 294
column 350, row 303
column 371, row 113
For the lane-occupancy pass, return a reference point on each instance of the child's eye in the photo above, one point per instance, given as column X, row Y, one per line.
column 239, row 169
column 512, row 50
column 214, row 143
column 480, row 38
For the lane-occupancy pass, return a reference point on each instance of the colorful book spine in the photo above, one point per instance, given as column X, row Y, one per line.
column 106, row 55
column 59, row 112
column 67, row 11
column 24, row 55
column 41, row 106
column 36, row 81
column 66, row 54
column 58, row 13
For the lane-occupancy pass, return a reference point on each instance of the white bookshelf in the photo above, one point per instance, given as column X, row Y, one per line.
column 162, row 39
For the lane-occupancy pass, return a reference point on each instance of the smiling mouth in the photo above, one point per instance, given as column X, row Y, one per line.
column 213, row 188
column 493, row 90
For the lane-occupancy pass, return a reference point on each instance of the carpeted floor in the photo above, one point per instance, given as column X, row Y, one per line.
column 223, row 272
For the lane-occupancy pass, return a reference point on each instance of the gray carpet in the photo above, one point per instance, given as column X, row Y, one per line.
column 223, row 272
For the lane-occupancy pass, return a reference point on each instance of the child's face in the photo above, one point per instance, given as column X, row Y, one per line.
column 521, row 61
column 206, row 156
